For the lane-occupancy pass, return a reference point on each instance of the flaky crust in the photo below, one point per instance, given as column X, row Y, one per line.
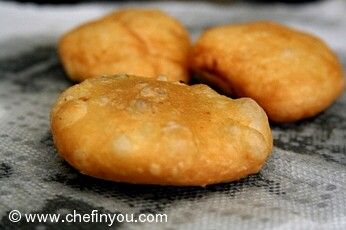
column 291, row 74
column 140, row 130
column 144, row 42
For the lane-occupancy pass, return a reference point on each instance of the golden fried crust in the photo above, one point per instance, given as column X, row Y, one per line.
column 292, row 75
column 140, row 130
column 135, row 41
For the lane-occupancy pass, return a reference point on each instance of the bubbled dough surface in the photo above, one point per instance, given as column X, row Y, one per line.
column 292, row 75
column 135, row 41
column 140, row 130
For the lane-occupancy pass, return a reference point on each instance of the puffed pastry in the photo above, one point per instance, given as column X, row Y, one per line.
column 141, row 130
column 144, row 42
column 291, row 74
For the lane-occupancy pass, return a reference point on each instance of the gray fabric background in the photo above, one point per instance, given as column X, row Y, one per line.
column 302, row 186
